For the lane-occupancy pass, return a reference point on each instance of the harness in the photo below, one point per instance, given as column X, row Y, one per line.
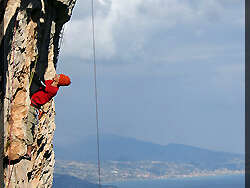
column 39, row 110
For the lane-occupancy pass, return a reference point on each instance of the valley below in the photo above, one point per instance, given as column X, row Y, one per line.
column 113, row 171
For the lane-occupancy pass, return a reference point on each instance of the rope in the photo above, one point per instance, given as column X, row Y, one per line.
column 96, row 93
column 13, row 55
column 61, row 38
column 33, row 71
column 10, row 174
column 60, row 43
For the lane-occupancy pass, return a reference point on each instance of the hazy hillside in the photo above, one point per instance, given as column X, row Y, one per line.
column 124, row 159
column 118, row 148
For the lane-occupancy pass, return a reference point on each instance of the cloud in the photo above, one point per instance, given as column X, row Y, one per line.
column 124, row 29
column 181, row 39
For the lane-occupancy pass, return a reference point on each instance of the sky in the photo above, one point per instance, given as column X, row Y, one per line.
column 167, row 72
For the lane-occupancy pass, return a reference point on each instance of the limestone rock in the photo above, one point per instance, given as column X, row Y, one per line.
column 29, row 38
column 65, row 7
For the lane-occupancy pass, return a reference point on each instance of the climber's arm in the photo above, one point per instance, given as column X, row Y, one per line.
column 39, row 81
column 50, row 89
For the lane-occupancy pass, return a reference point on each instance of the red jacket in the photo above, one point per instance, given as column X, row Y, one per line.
column 44, row 95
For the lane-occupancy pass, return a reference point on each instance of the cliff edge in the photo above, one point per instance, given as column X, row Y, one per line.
column 29, row 39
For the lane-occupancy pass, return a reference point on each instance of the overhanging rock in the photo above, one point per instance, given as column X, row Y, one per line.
column 30, row 32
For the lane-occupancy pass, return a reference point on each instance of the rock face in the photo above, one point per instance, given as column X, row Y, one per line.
column 29, row 39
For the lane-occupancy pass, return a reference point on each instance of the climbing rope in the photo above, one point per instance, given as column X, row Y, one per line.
column 33, row 71
column 60, row 42
column 61, row 38
column 10, row 175
column 96, row 93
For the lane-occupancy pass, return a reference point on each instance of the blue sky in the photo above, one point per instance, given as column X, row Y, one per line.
column 167, row 72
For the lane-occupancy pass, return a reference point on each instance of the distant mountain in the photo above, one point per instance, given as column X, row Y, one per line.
column 66, row 181
column 119, row 148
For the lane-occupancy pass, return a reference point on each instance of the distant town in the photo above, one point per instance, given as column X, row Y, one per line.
column 113, row 171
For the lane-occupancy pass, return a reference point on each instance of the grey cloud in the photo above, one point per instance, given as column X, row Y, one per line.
column 124, row 29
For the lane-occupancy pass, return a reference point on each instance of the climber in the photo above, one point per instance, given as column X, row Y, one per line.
column 48, row 89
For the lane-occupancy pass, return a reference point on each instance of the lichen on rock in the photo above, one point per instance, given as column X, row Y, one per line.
column 29, row 38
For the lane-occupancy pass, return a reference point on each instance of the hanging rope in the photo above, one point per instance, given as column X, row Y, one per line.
column 61, row 38
column 96, row 94
column 33, row 71
column 10, row 174
column 60, row 42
